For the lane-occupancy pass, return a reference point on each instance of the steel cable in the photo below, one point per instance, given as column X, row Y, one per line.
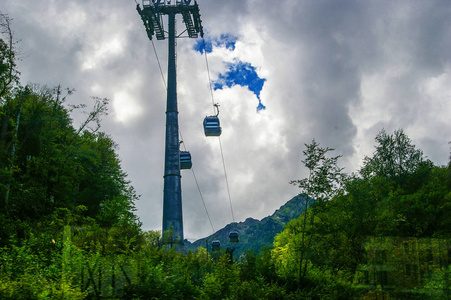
column 219, row 138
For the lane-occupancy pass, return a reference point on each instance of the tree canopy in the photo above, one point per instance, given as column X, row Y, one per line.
column 48, row 166
column 398, row 193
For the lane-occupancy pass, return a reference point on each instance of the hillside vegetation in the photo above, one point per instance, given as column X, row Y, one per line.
column 385, row 229
column 254, row 235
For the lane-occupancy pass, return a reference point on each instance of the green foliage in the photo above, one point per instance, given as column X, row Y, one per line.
column 64, row 199
column 255, row 235
column 220, row 283
column 33, row 270
column 394, row 156
column 399, row 194
column 9, row 75
column 30, row 286
column 56, row 168
column 438, row 285
column 286, row 249
column 325, row 181
column 325, row 176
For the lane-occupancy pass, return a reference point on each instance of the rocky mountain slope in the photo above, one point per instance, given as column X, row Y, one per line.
column 253, row 234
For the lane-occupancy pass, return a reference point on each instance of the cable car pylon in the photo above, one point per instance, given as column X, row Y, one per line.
column 151, row 15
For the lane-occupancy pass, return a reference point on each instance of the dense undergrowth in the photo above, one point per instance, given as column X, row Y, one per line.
column 73, row 266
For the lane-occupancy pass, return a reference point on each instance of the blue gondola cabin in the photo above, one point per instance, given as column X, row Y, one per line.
column 185, row 160
column 212, row 126
column 215, row 245
column 233, row 237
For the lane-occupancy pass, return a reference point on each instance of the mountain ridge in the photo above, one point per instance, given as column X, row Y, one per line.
column 254, row 234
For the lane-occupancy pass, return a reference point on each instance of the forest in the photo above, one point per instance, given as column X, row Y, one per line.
column 68, row 228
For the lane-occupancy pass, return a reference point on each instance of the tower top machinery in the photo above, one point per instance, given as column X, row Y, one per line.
column 153, row 10
column 152, row 13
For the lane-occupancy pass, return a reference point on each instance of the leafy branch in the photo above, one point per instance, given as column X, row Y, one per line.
column 94, row 116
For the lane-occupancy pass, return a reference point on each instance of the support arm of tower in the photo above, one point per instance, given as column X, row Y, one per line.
column 151, row 17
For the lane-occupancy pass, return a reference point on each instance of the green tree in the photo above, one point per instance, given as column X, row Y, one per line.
column 411, row 203
column 325, row 180
column 408, row 192
column 9, row 80
column 394, row 156
column 46, row 165
column 9, row 75
column 56, row 166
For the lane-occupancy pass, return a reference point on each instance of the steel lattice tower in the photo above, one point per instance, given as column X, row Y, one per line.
column 152, row 15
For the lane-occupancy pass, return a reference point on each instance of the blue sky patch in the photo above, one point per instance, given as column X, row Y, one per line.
column 260, row 106
column 225, row 40
column 238, row 72
column 243, row 74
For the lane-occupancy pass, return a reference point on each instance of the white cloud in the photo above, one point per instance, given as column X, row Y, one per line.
column 125, row 107
column 101, row 52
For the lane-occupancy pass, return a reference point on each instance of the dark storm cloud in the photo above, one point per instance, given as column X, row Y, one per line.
column 325, row 78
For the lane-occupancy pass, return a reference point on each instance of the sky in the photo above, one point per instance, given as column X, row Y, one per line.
column 283, row 72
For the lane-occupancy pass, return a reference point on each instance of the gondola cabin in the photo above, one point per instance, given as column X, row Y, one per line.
column 212, row 126
column 233, row 237
column 185, row 160
column 215, row 245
